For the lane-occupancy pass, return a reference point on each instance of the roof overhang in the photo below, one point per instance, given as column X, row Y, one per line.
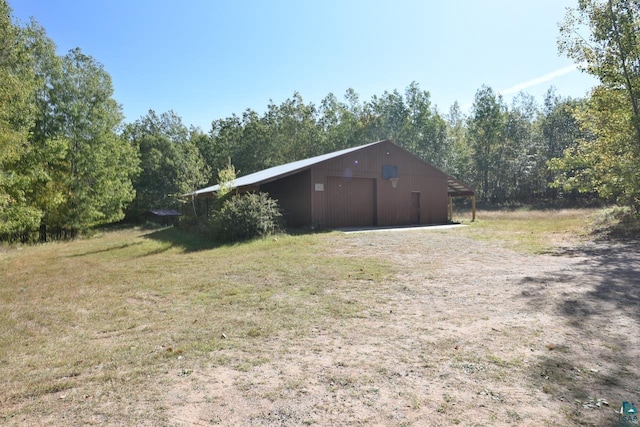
column 457, row 189
column 164, row 212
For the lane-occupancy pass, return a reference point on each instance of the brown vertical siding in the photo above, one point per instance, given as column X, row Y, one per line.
column 294, row 198
column 350, row 202
column 393, row 206
column 415, row 207
column 349, row 188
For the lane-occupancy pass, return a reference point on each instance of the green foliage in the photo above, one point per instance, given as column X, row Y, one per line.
column 62, row 163
column 605, row 161
column 17, row 80
column 226, row 180
column 412, row 122
column 509, row 147
column 66, row 161
column 340, row 122
column 611, row 50
column 247, row 216
column 487, row 126
column 460, row 164
column 606, row 158
column 95, row 173
column 171, row 161
column 522, row 150
column 559, row 131
column 295, row 130
column 17, row 90
column 502, row 151
column 559, row 127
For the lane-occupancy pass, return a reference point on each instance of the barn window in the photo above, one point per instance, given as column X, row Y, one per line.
column 389, row 171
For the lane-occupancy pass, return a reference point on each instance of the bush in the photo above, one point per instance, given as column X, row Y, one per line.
column 247, row 216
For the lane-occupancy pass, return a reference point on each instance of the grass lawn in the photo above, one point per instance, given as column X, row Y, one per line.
column 86, row 324
column 100, row 330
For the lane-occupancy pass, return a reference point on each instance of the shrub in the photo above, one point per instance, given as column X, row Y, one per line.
column 247, row 216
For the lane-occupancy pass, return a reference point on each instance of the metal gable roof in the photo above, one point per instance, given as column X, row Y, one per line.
column 454, row 187
column 270, row 174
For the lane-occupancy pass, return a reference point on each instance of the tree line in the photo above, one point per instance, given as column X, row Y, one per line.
column 500, row 150
column 63, row 163
column 69, row 162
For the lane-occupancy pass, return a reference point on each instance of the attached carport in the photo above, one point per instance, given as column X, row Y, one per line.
column 457, row 189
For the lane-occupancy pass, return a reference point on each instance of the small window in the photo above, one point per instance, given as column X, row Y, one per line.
column 389, row 171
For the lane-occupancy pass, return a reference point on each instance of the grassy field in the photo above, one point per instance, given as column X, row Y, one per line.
column 94, row 320
column 98, row 330
column 536, row 231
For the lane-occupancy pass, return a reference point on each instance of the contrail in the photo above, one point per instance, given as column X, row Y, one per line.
column 533, row 82
column 539, row 80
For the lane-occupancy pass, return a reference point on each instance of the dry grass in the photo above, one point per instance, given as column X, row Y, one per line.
column 156, row 327
column 535, row 231
column 88, row 325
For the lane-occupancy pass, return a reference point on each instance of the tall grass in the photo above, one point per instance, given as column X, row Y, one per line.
column 534, row 231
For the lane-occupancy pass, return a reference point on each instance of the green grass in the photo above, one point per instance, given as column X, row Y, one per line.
column 94, row 319
column 94, row 330
column 533, row 231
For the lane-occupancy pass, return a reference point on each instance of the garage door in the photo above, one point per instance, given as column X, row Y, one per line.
column 350, row 202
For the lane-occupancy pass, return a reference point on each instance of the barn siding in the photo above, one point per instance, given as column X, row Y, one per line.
column 294, row 197
column 307, row 198
column 392, row 205
column 351, row 201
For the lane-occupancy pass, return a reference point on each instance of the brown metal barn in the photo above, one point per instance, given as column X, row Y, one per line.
column 377, row 184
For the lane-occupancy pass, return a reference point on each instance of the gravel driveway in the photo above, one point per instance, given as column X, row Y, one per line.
column 466, row 332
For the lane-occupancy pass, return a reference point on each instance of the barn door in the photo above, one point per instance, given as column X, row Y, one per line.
column 350, row 202
column 415, row 207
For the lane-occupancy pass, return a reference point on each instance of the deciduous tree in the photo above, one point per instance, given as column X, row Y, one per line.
column 98, row 165
column 486, row 132
column 18, row 159
column 170, row 159
column 610, row 50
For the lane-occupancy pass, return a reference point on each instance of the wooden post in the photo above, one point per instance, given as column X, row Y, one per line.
column 450, row 208
column 473, row 207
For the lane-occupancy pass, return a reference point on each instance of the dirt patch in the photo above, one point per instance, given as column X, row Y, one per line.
column 466, row 332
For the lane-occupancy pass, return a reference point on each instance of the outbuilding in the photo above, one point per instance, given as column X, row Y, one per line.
column 163, row 216
column 377, row 184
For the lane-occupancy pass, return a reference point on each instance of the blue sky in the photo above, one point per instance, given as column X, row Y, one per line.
column 208, row 59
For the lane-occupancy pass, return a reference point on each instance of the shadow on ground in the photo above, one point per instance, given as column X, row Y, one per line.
column 186, row 241
column 597, row 296
column 611, row 272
